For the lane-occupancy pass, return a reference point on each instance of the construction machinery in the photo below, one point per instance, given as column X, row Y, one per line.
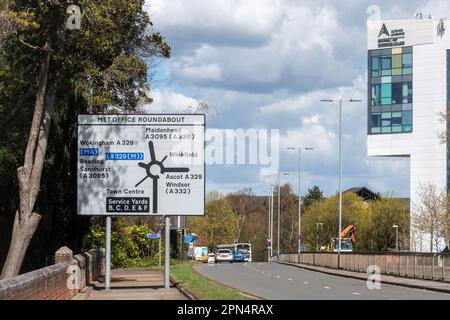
column 348, row 240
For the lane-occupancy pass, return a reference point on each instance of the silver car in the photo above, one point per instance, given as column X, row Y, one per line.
column 224, row 255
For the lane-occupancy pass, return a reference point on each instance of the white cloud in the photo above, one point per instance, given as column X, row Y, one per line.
column 231, row 22
column 292, row 44
column 202, row 72
column 324, row 141
column 167, row 101
column 267, row 64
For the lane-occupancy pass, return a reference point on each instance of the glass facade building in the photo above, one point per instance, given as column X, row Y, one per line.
column 408, row 91
column 390, row 90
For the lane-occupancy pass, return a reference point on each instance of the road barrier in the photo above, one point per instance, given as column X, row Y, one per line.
column 429, row 266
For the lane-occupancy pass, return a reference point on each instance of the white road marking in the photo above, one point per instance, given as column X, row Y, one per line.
column 289, row 279
column 269, row 274
column 278, row 277
column 262, row 271
column 257, row 270
column 356, row 293
column 306, row 282
column 328, row 288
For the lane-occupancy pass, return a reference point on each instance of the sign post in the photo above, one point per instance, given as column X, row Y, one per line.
column 108, row 254
column 159, row 254
column 144, row 164
column 167, row 253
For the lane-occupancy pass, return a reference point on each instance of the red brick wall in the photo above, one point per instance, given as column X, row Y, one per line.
column 50, row 283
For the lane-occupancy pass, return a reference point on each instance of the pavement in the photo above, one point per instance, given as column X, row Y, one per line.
column 127, row 284
column 275, row 281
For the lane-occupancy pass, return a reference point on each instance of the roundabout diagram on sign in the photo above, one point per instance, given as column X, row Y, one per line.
column 153, row 170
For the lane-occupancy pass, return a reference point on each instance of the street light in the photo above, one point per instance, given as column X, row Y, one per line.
column 340, row 167
column 396, row 236
column 317, row 235
column 271, row 220
column 269, row 234
column 300, row 195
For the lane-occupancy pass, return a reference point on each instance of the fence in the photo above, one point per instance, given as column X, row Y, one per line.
column 430, row 266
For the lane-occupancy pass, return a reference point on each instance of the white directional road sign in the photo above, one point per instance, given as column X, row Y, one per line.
column 146, row 164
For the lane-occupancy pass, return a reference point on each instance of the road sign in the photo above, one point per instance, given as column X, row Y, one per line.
column 146, row 164
column 153, row 235
column 189, row 238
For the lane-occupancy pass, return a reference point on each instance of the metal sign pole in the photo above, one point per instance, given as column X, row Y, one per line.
column 167, row 254
column 108, row 254
column 159, row 260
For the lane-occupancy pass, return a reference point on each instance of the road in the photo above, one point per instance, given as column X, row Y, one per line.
column 281, row 282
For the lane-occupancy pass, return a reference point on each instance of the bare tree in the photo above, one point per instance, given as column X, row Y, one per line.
column 430, row 213
column 203, row 107
column 446, row 221
column 243, row 204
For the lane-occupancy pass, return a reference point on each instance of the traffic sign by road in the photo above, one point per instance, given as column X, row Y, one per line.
column 153, row 235
column 143, row 164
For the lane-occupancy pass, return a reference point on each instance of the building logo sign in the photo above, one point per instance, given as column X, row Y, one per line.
column 393, row 38
column 384, row 31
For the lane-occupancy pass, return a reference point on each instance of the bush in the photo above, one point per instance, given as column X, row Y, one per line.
column 129, row 245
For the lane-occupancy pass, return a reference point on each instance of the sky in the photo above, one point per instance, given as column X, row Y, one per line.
column 266, row 64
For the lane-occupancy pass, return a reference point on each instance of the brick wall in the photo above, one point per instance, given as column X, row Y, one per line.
column 63, row 280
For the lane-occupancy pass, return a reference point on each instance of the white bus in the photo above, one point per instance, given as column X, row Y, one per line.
column 244, row 248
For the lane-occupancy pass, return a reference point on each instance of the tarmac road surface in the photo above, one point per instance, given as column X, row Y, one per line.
column 282, row 282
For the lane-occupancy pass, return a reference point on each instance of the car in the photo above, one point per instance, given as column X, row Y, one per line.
column 239, row 256
column 211, row 258
column 224, row 255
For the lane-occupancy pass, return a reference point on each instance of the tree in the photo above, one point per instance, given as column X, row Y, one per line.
column 326, row 211
column 243, row 203
column 314, row 194
column 384, row 213
column 218, row 226
column 430, row 213
column 101, row 65
column 288, row 219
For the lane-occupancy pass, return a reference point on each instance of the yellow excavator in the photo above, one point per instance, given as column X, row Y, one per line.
column 348, row 241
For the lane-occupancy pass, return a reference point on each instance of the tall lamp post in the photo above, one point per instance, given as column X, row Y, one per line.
column 271, row 221
column 269, row 235
column 396, row 236
column 300, row 195
column 340, row 167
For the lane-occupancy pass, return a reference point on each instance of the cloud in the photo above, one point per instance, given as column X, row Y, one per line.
column 168, row 101
column 221, row 22
column 202, row 72
column 278, row 45
column 267, row 64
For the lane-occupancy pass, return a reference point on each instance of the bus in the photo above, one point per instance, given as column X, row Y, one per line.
column 244, row 248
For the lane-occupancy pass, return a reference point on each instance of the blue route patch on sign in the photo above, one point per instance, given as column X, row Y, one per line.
column 88, row 152
column 131, row 156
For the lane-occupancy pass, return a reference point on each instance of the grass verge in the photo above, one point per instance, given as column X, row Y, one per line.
column 201, row 287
